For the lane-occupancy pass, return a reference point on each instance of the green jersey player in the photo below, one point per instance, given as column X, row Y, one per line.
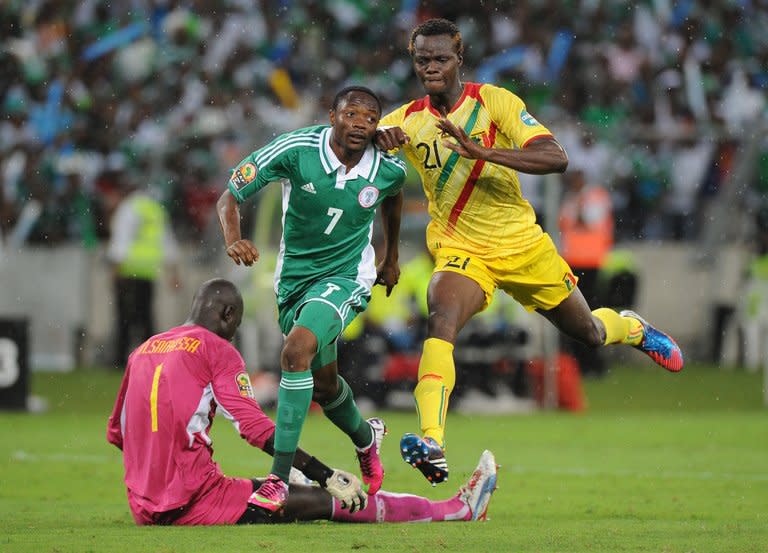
column 333, row 179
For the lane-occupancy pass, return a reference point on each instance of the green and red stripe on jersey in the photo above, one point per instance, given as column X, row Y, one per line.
column 471, row 90
column 469, row 185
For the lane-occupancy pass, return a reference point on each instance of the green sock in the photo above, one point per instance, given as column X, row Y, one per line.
column 293, row 398
column 343, row 412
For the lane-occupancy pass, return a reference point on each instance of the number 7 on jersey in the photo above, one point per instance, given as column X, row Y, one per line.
column 335, row 214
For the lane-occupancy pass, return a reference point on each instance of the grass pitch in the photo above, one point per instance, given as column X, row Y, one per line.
column 658, row 463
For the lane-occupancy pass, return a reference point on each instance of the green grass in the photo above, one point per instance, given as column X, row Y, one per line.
column 659, row 463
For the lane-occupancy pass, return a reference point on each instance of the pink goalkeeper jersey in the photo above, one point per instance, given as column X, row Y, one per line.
column 173, row 386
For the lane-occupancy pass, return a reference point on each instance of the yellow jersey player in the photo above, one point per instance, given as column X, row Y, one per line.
column 468, row 141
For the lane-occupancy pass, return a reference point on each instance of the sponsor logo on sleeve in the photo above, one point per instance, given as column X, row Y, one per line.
column 528, row 119
column 244, row 385
column 368, row 196
column 243, row 175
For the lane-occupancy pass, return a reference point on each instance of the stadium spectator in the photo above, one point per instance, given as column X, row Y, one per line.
column 618, row 280
column 177, row 78
column 468, row 141
column 141, row 242
column 586, row 238
column 191, row 87
column 174, row 384
column 752, row 312
column 335, row 178
column 689, row 163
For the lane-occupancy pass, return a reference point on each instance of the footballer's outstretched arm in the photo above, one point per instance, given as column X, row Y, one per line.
column 114, row 428
column 539, row 157
column 388, row 271
column 241, row 251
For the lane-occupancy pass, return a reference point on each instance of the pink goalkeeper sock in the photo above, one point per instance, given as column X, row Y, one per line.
column 401, row 507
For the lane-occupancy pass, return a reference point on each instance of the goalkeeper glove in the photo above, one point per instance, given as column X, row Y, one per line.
column 346, row 487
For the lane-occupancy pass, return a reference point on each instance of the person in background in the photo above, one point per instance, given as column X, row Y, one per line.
column 141, row 243
column 586, row 238
column 173, row 386
column 753, row 310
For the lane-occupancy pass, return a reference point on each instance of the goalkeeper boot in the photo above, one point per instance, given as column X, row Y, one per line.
column 658, row 345
column 271, row 495
column 476, row 493
column 370, row 458
column 426, row 455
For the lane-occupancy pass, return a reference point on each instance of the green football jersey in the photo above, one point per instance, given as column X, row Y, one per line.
column 328, row 212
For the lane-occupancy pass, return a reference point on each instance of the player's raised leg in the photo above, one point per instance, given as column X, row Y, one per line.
column 453, row 298
column 605, row 326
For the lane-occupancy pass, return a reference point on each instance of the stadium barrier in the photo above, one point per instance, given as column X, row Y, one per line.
column 66, row 295
column 14, row 363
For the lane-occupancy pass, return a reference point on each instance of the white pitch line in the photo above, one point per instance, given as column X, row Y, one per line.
column 692, row 475
column 24, row 456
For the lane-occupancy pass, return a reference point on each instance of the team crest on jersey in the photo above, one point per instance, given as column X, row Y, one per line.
column 481, row 137
column 244, row 385
column 528, row 119
column 368, row 196
column 243, row 175
column 570, row 281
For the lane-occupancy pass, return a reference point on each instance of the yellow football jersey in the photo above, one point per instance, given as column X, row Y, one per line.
column 474, row 205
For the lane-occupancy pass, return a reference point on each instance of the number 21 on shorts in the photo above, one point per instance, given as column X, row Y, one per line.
column 457, row 262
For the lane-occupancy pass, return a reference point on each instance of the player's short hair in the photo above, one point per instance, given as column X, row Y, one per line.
column 341, row 94
column 435, row 27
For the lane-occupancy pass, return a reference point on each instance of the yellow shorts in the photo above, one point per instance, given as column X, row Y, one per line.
column 538, row 278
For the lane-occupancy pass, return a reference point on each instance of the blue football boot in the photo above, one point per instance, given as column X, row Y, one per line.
column 426, row 455
column 658, row 345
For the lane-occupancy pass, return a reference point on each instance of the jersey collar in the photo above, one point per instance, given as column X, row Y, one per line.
column 469, row 90
column 367, row 167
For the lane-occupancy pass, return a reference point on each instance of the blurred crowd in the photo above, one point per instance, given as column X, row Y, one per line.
column 652, row 99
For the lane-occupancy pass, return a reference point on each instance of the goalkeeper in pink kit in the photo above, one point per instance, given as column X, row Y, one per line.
column 174, row 385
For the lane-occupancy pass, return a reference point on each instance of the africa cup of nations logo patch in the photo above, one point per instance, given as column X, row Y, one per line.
column 570, row 281
column 368, row 196
column 243, row 175
column 244, row 385
column 528, row 119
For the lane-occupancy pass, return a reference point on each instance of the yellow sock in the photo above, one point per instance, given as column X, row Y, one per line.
column 437, row 375
column 618, row 329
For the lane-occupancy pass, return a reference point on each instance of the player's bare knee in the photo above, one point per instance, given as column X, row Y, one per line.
column 592, row 334
column 294, row 357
